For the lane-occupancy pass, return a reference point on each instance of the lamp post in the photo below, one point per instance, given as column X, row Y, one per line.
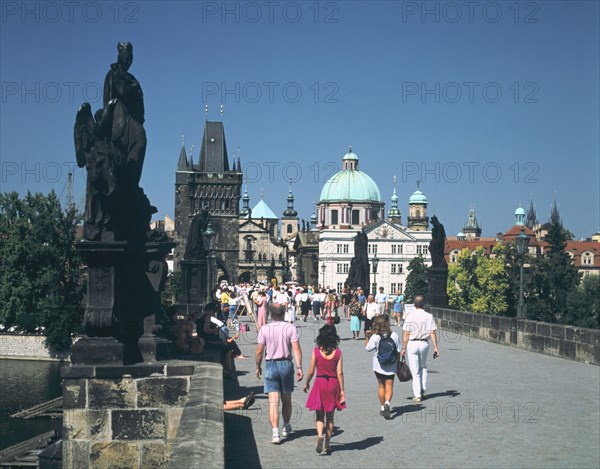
column 375, row 262
column 522, row 242
column 323, row 269
column 209, row 236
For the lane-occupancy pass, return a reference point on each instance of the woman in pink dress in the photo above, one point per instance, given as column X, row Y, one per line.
column 327, row 395
column 261, row 302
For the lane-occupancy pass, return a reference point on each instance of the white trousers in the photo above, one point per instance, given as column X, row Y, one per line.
column 416, row 352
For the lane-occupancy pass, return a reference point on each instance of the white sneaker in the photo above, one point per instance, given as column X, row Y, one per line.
column 286, row 430
column 275, row 439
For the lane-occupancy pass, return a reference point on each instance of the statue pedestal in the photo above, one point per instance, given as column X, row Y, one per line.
column 124, row 284
column 438, row 280
column 194, row 293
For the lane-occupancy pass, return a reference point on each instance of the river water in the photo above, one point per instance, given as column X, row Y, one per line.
column 23, row 384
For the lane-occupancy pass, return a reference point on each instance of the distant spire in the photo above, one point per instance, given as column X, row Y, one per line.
column 182, row 164
column 313, row 217
column 206, row 112
column 554, row 213
column 245, row 201
column 290, row 212
column 393, row 211
column 531, row 219
column 191, row 157
column 472, row 228
column 239, row 162
column 70, row 198
column 222, row 111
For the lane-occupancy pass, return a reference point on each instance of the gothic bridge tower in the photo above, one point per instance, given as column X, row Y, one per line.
column 211, row 183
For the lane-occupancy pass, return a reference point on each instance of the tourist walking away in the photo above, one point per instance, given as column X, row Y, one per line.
column 304, row 300
column 418, row 328
column 398, row 307
column 354, row 311
column 277, row 341
column 316, row 304
column 327, row 395
column 386, row 345
column 370, row 310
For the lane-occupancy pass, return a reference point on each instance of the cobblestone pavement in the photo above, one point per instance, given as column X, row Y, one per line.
column 489, row 405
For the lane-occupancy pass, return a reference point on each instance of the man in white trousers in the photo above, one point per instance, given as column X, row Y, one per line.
column 418, row 328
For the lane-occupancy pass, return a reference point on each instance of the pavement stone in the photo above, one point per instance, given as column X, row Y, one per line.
column 489, row 406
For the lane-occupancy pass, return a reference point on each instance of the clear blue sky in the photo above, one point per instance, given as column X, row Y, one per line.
column 485, row 104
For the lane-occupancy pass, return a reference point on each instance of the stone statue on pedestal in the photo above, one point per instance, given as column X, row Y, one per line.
column 438, row 272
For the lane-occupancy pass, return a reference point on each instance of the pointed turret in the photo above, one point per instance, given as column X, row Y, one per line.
column 472, row 228
column 394, row 213
column 554, row 214
column 313, row 217
column 213, row 154
column 290, row 222
column 531, row 219
column 245, row 201
column 183, row 164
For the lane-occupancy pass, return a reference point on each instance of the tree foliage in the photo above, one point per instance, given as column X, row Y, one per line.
column 551, row 278
column 417, row 281
column 40, row 282
column 479, row 283
column 583, row 304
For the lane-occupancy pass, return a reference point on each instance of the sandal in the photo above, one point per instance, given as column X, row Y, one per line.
column 319, row 444
column 248, row 401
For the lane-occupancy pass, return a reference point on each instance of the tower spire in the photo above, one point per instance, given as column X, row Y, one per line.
column 290, row 212
column 394, row 213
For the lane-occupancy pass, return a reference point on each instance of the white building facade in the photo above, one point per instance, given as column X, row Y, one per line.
column 351, row 192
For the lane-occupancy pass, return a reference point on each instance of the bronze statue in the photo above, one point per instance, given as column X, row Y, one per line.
column 437, row 243
column 358, row 276
column 194, row 248
column 112, row 148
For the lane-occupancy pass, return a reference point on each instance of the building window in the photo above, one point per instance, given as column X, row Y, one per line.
column 342, row 249
column 334, row 217
column 355, row 217
column 395, row 268
column 417, row 213
column 372, row 249
column 289, row 228
column 340, row 286
column 587, row 258
column 397, row 248
column 343, row 268
column 454, row 255
column 394, row 287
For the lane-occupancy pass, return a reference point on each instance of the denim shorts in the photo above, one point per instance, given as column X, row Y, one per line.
column 279, row 376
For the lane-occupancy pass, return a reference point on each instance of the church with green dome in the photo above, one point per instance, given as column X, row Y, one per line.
column 350, row 201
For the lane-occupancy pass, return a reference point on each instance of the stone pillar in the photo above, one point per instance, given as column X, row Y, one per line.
column 438, row 280
column 124, row 284
column 194, row 293
column 122, row 416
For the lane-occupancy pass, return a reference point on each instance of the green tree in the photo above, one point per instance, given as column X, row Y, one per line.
column 40, row 281
column 583, row 304
column 551, row 278
column 417, row 281
column 479, row 283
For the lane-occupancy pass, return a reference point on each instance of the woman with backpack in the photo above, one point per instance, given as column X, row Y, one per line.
column 386, row 345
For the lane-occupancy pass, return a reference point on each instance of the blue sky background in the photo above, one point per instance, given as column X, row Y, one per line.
column 363, row 70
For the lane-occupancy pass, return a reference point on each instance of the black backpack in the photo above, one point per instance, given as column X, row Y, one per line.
column 386, row 351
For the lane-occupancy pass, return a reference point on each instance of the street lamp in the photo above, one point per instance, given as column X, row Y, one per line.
column 209, row 236
column 323, row 269
column 375, row 262
column 522, row 242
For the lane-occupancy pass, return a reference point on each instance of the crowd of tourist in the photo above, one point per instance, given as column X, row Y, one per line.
column 275, row 309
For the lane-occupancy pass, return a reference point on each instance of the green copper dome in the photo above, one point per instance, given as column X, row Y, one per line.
column 350, row 185
column 417, row 198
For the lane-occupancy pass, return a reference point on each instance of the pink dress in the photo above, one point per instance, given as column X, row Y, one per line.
column 261, row 320
column 325, row 394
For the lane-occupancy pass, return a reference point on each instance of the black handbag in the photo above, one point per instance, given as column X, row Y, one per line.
column 336, row 319
column 403, row 371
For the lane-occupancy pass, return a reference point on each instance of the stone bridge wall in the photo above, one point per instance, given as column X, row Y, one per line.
column 28, row 347
column 574, row 343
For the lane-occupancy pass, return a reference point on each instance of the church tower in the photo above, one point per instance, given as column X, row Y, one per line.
column 394, row 214
column 289, row 222
column 472, row 229
column 417, row 212
column 214, row 185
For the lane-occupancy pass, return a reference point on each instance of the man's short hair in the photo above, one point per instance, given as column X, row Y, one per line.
column 277, row 311
column 419, row 301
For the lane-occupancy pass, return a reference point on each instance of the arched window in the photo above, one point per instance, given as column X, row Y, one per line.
column 418, row 213
column 587, row 258
column 289, row 228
